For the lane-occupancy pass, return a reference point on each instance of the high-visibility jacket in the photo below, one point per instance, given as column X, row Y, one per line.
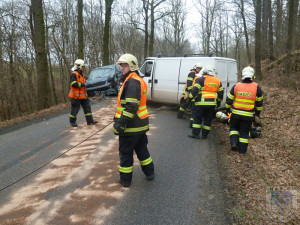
column 77, row 91
column 131, row 106
column 189, row 81
column 245, row 98
column 207, row 91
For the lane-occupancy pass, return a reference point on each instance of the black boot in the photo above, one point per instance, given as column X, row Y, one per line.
column 234, row 147
column 194, row 136
column 74, row 124
column 180, row 115
column 92, row 122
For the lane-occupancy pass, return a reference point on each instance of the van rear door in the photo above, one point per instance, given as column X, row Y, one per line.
column 165, row 80
column 146, row 71
column 222, row 74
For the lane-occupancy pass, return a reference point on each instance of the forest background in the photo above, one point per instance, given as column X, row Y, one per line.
column 40, row 40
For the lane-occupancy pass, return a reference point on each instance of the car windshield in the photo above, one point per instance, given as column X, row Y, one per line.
column 101, row 72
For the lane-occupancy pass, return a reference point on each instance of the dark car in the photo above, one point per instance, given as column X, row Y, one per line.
column 105, row 79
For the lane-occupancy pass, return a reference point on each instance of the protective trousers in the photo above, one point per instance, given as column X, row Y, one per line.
column 239, row 133
column 128, row 144
column 206, row 114
column 75, row 106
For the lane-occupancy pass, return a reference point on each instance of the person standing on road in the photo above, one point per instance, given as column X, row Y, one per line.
column 208, row 93
column 187, row 89
column 132, row 122
column 79, row 95
column 245, row 99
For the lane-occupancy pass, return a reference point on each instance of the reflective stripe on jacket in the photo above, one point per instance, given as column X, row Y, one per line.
column 136, row 121
column 78, row 92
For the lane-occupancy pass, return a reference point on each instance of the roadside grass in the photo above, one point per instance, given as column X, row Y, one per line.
column 271, row 161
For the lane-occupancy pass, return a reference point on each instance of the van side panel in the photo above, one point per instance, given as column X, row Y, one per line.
column 221, row 73
column 165, row 80
column 232, row 75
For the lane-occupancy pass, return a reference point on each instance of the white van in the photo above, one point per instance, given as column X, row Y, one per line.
column 166, row 76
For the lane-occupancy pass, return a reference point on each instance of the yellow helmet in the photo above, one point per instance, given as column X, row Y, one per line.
column 79, row 63
column 248, row 72
column 130, row 60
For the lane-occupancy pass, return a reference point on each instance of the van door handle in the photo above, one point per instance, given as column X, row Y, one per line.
column 227, row 84
column 155, row 81
column 149, row 81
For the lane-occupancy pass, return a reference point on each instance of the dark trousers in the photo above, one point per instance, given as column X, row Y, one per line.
column 128, row 144
column 205, row 114
column 75, row 107
column 185, row 104
column 239, row 133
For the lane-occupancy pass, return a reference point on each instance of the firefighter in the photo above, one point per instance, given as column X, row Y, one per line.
column 246, row 100
column 208, row 93
column 132, row 122
column 187, row 89
column 78, row 94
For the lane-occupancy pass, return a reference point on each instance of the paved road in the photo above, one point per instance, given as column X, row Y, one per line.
column 81, row 187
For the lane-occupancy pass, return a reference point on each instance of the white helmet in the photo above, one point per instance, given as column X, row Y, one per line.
column 130, row 60
column 79, row 63
column 198, row 65
column 210, row 70
column 221, row 115
column 248, row 72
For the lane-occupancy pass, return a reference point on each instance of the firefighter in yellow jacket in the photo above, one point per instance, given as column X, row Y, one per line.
column 132, row 122
column 79, row 95
column 246, row 100
column 208, row 93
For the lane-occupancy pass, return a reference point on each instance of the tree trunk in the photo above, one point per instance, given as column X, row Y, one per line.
column 44, row 100
column 245, row 31
column 80, row 30
column 146, row 43
column 152, row 29
column 278, row 30
column 270, row 36
column 258, row 40
column 105, row 58
column 264, row 30
column 291, row 24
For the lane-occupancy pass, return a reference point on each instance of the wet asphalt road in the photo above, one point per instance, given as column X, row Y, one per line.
column 76, row 175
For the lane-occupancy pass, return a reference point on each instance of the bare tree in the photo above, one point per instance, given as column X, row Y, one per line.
column 257, row 5
column 174, row 28
column 108, row 5
column 270, row 36
column 292, row 13
column 80, row 29
column 38, row 31
column 264, row 30
column 241, row 6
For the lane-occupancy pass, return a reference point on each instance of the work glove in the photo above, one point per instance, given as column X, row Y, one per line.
column 218, row 104
column 118, row 128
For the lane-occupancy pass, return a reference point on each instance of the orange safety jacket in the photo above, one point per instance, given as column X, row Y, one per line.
column 244, row 96
column 78, row 92
column 138, row 121
column 207, row 95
